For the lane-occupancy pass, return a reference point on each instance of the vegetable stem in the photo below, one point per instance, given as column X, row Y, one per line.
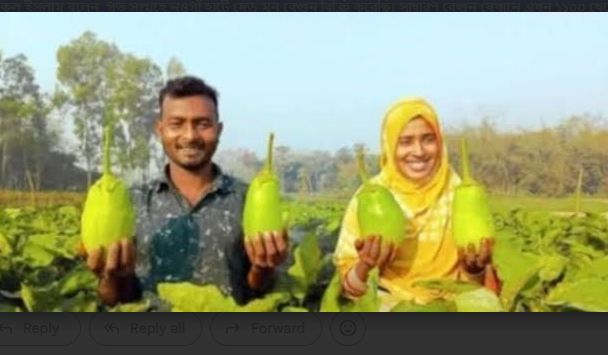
column 107, row 161
column 467, row 179
column 269, row 152
column 361, row 165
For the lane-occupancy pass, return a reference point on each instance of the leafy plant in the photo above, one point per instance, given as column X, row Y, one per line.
column 546, row 262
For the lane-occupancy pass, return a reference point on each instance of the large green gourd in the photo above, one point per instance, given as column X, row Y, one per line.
column 108, row 214
column 263, row 210
column 472, row 219
column 378, row 213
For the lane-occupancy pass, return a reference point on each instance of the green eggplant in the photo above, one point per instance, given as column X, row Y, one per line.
column 263, row 210
column 378, row 213
column 472, row 219
column 108, row 214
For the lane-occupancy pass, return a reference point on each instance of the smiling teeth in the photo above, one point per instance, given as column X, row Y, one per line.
column 417, row 165
column 191, row 151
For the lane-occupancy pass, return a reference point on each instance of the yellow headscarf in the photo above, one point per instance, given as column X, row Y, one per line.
column 417, row 197
column 430, row 252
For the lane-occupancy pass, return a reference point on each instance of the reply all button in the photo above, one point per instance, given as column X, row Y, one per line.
column 159, row 329
column 266, row 329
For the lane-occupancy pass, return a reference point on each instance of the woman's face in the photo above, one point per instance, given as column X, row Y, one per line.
column 417, row 151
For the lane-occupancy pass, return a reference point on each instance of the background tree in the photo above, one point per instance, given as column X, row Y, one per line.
column 175, row 69
column 84, row 77
column 131, row 108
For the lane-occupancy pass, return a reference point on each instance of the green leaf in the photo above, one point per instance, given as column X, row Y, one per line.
column 306, row 267
column 368, row 302
column 292, row 309
column 269, row 303
column 589, row 295
column 13, row 213
column 480, row 300
column 187, row 297
column 48, row 299
column 71, row 212
column 37, row 300
column 5, row 266
column 451, row 286
column 6, row 247
column 433, row 306
column 515, row 268
column 597, row 268
column 8, row 308
column 333, row 301
column 82, row 302
column 42, row 249
column 141, row 306
column 552, row 267
column 334, row 225
column 78, row 279
column 331, row 297
column 37, row 255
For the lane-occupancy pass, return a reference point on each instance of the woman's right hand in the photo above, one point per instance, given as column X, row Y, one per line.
column 372, row 253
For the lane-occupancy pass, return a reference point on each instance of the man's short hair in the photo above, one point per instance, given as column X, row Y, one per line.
column 186, row 86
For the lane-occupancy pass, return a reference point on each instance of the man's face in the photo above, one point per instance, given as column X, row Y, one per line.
column 189, row 130
column 417, row 151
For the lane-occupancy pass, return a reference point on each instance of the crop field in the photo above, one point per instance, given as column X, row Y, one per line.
column 502, row 203
column 548, row 258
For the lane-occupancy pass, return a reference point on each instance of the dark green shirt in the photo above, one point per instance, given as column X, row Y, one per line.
column 201, row 244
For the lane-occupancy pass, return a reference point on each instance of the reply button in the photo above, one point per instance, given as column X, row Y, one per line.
column 37, row 329
column 266, row 329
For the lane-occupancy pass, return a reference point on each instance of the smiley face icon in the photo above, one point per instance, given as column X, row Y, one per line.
column 348, row 328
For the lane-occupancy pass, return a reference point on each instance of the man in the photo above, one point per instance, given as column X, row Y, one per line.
column 189, row 218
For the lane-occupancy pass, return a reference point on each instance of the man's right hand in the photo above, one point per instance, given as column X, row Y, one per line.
column 116, row 270
column 372, row 253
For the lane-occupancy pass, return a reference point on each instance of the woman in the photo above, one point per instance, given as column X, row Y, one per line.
column 414, row 167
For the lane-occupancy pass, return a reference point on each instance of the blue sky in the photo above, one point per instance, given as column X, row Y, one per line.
column 323, row 81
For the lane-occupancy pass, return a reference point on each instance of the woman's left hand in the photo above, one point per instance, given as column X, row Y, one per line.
column 475, row 261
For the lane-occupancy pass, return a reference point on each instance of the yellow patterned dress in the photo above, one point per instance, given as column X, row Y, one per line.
column 430, row 251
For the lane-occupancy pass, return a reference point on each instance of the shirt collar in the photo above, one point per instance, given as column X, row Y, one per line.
column 221, row 182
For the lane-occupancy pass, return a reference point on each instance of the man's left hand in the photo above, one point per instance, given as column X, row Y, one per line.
column 475, row 261
column 267, row 250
